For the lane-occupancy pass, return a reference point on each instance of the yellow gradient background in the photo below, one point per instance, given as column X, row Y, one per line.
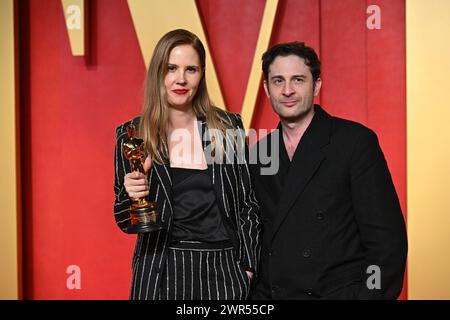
column 428, row 150
column 9, row 268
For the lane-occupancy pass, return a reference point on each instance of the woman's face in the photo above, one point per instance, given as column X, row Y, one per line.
column 183, row 76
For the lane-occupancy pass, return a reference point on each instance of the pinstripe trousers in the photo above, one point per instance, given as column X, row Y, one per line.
column 203, row 274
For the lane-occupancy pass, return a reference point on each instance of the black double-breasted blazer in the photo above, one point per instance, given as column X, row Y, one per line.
column 336, row 218
column 234, row 195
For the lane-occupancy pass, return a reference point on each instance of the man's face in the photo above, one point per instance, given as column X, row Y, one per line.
column 290, row 87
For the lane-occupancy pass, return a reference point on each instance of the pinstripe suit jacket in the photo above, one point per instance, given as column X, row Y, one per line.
column 235, row 198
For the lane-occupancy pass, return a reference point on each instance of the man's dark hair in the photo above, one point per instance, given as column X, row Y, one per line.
column 292, row 48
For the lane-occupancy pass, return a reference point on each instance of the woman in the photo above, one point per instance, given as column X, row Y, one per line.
column 209, row 246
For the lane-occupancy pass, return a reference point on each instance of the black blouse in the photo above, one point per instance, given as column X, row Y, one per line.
column 196, row 213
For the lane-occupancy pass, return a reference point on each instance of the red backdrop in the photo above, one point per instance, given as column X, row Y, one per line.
column 71, row 106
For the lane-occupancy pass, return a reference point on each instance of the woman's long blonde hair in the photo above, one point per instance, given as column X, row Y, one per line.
column 154, row 117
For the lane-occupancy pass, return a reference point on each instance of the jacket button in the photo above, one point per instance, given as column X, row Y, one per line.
column 309, row 292
column 271, row 253
column 306, row 253
column 319, row 215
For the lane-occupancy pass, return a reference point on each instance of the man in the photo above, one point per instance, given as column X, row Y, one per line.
column 332, row 223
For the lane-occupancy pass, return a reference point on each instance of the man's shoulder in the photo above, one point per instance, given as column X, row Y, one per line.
column 338, row 123
column 352, row 133
column 348, row 126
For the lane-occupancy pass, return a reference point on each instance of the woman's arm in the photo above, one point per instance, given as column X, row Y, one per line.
column 250, row 227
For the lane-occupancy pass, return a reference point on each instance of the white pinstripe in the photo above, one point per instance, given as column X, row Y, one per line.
column 160, row 260
column 233, row 263
column 119, row 203
column 200, row 277
column 121, row 221
column 207, row 276
column 151, row 267
column 232, row 191
column 156, row 287
column 122, row 211
column 168, row 175
column 223, row 272
column 239, row 275
column 138, row 245
column 223, row 193
column 215, row 271
column 150, row 178
column 175, row 264
column 143, row 267
column 167, row 280
column 192, row 278
column 157, row 192
column 184, row 276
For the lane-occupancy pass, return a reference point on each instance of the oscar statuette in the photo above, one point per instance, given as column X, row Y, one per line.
column 144, row 217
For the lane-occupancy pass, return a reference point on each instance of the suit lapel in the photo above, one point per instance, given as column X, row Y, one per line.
column 163, row 173
column 308, row 156
column 214, row 168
